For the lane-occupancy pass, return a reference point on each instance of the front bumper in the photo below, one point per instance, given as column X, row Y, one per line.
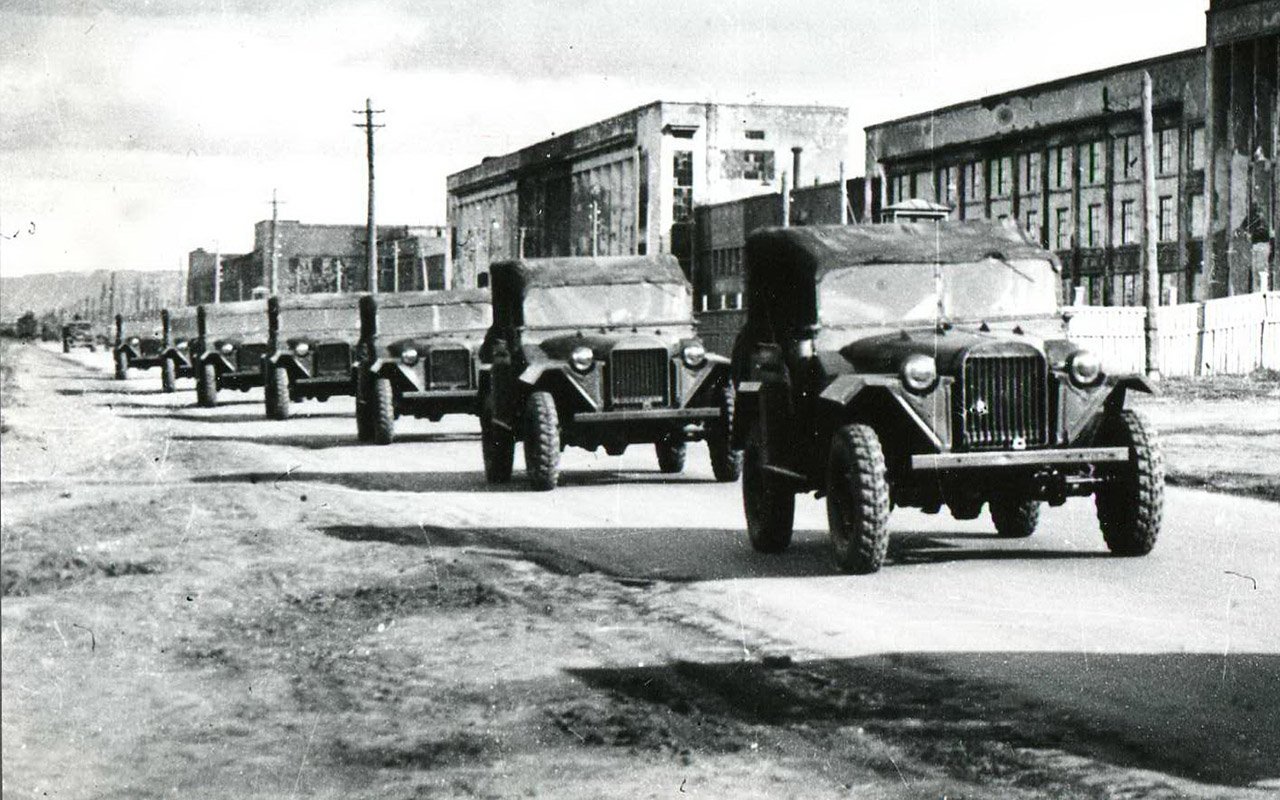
column 240, row 380
column 1020, row 458
column 324, row 385
column 437, row 402
column 624, row 416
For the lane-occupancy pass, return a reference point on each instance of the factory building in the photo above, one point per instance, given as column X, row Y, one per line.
column 1063, row 160
column 322, row 258
column 629, row 184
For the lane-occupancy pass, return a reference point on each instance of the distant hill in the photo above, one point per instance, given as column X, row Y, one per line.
column 88, row 293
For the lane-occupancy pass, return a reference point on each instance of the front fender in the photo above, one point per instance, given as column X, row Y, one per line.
column 555, row 379
column 847, row 391
column 703, row 389
column 290, row 362
column 402, row 377
column 218, row 360
column 179, row 357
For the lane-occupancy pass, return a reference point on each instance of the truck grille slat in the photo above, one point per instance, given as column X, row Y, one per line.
column 639, row 377
column 1002, row 402
column 449, row 368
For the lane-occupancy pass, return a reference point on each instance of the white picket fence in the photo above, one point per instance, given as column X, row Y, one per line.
column 1230, row 336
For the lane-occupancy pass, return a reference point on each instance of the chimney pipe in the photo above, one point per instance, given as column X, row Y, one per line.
column 795, row 166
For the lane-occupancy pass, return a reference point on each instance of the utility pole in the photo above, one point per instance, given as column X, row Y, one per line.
column 371, row 245
column 595, row 227
column 786, row 202
column 520, row 249
column 844, row 198
column 217, row 272
column 273, row 285
column 1150, row 262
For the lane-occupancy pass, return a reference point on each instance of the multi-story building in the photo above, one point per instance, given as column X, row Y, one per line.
column 629, row 184
column 1063, row 159
column 323, row 258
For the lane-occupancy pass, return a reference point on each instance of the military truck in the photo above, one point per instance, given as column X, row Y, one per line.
column 311, row 342
column 926, row 365
column 599, row 352
column 418, row 355
column 233, row 348
column 139, row 342
column 181, row 333
column 79, row 333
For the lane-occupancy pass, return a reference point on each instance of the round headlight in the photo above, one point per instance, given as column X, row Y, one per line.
column 408, row 356
column 581, row 358
column 227, row 348
column 1085, row 368
column 694, row 355
column 301, row 348
column 919, row 373
column 134, row 341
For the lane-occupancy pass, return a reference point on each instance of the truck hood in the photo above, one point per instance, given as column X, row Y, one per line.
column 885, row 352
column 602, row 344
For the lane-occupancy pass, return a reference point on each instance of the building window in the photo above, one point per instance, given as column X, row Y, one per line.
column 922, row 186
column 682, row 194
column 1060, row 177
column 947, row 185
column 1061, row 228
column 1197, row 148
column 1029, row 171
column 747, row 165
column 1165, row 219
column 754, row 134
column 1031, row 222
column 1198, row 219
column 973, row 181
column 1167, row 151
column 1094, row 163
column 1128, row 221
column 1130, row 156
column 1093, row 216
column 1001, row 176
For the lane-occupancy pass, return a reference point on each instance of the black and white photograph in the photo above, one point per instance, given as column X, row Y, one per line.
column 875, row 399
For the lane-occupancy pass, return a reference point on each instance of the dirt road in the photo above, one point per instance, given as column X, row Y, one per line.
column 203, row 603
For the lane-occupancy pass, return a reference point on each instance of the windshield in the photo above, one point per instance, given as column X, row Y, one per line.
column 882, row 293
column 419, row 320
column 607, row 304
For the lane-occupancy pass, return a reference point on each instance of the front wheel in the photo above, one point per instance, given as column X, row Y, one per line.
column 497, row 444
column 542, row 441
column 1131, row 503
column 364, row 407
column 276, row 391
column 1014, row 517
column 207, row 385
column 122, row 365
column 857, row 500
column 383, row 410
column 726, row 462
column 168, row 376
column 671, row 454
column 770, row 506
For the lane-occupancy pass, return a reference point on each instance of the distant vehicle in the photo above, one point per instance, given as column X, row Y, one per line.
column 599, row 352
column 27, row 327
column 418, row 356
column 181, row 345
column 79, row 333
column 923, row 365
column 233, row 348
column 311, row 349
column 139, row 342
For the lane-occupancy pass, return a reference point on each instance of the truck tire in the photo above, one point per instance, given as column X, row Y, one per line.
column 66, row 346
column 364, row 406
column 122, row 365
column 541, row 441
column 383, row 410
column 168, row 376
column 726, row 462
column 275, row 384
column 497, row 444
column 857, row 500
column 207, row 385
column 671, row 454
column 769, row 505
column 1131, row 503
column 1014, row 517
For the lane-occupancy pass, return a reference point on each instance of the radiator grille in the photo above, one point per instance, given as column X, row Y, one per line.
column 150, row 347
column 333, row 358
column 449, row 368
column 1003, row 402
column 639, row 377
column 249, row 357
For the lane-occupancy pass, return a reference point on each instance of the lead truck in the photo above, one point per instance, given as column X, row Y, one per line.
column 927, row 365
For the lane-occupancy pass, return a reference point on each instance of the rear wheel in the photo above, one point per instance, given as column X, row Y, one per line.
column 726, row 462
column 383, row 411
column 497, row 444
column 542, row 441
column 857, row 499
column 66, row 346
column 122, row 365
column 276, row 389
column 671, row 454
column 207, row 385
column 168, row 375
column 364, row 406
column 1014, row 517
column 1131, row 503
column 770, row 506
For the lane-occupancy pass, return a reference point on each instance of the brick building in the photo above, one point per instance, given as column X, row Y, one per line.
column 323, row 258
column 1063, row 159
column 629, row 184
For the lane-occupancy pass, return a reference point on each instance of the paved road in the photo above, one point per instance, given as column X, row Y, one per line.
column 1176, row 653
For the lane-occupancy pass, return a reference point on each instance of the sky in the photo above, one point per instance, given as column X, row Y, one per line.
column 134, row 131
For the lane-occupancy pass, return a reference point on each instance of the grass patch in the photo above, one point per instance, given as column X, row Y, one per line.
column 1259, row 384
